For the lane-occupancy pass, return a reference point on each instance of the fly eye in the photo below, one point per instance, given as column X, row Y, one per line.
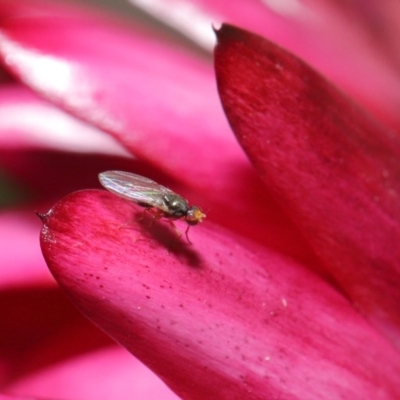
column 194, row 215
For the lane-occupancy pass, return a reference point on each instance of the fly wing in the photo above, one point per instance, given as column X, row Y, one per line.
column 136, row 188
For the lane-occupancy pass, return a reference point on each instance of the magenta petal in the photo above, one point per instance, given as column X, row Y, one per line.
column 164, row 107
column 354, row 43
column 29, row 122
column 217, row 319
column 19, row 269
column 134, row 85
column 334, row 170
column 104, row 374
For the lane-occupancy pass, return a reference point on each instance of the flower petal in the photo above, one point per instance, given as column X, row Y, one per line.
column 163, row 107
column 108, row 373
column 27, row 121
column 353, row 43
column 221, row 318
column 334, row 170
column 39, row 328
column 19, row 269
column 96, row 70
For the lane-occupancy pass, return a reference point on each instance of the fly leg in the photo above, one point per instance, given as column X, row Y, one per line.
column 154, row 212
column 176, row 230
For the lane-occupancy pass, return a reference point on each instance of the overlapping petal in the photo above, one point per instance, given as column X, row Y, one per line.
column 249, row 323
column 40, row 328
column 107, row 373
column 18, row 230
column 29, row 122
column 221, row 318
column 333, row 168
column 353, row 43
column 88, row 70
column 163, row 107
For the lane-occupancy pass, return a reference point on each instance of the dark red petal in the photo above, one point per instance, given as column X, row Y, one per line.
column 219, row 319
column 40, row 328
column 334, row 170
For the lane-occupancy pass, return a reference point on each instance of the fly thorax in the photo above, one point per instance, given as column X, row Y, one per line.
column 177, row 205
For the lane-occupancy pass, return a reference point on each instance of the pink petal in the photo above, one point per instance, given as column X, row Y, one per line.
column 18, row 230
column 14, row 397
column 354, row 43
column 109, row 373
column 163, row 107
column 222, row 318
column 26, row 121
column 334, row 170
column 379, row 20
column 97, row 70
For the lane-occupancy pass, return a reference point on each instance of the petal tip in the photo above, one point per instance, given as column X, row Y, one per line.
column 43, row 217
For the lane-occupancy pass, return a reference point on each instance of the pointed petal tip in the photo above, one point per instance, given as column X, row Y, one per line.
column 228, row 32
column 44, row 217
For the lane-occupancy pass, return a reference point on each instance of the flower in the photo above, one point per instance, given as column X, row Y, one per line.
column 287, row 280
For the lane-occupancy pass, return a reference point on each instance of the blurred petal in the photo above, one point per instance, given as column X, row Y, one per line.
column 40, row 328
column 97, row 70
column 15, row 397
column 221, row 318
column 18, row 230
column 379, row 20
column 163, row 107
column 354, row 43
column 333, row 168
column 105, row 374
column 26, row 121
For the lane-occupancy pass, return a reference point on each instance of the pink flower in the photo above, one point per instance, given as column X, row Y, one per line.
column 291, row 286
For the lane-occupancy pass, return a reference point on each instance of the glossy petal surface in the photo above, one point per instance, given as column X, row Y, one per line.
column 233, row 322
column 333, row 169
column 29, row 122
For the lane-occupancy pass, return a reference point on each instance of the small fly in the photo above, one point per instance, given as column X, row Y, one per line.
column 160, row 201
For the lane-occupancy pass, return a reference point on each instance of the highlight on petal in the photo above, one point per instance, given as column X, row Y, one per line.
column 333, row 169
column 27, row 121
column 104, row 374
column 221, row 318
column 96, row 70
column 353, row 43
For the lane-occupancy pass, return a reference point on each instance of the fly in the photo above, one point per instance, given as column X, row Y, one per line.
column 160, row 201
